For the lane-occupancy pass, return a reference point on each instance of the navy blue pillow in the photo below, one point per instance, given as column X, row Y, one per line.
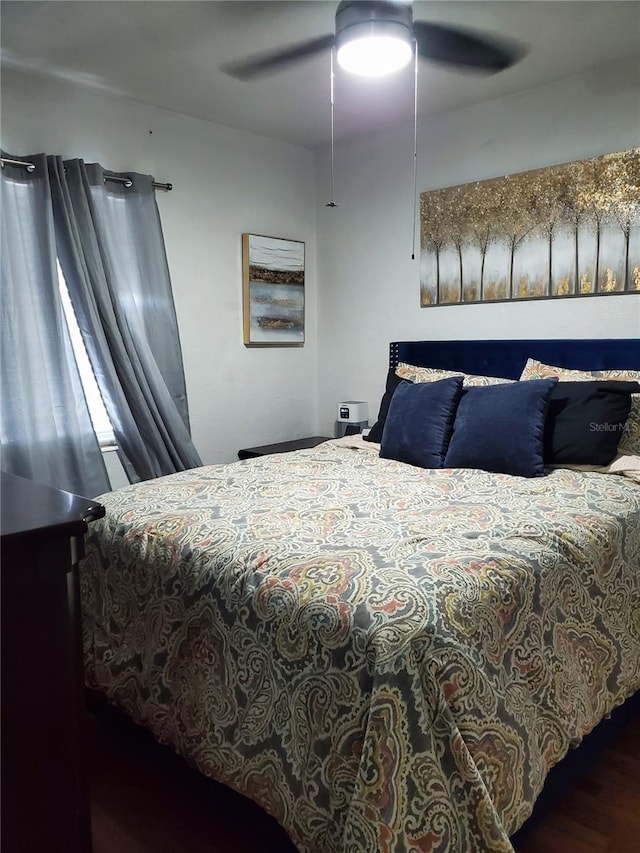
column 419, row 422
column 501, row 428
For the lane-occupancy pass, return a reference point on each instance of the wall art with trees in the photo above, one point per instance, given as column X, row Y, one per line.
column 561, row 231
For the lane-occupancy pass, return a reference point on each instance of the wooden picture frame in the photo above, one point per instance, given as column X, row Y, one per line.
column 273, row 302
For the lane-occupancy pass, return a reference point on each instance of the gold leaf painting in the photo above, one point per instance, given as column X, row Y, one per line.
column 569, row 230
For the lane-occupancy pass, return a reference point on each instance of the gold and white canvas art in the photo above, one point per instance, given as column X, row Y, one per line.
column 569, row 230
column 273, row 291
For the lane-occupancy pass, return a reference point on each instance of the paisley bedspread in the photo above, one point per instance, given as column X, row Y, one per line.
column 385, row 658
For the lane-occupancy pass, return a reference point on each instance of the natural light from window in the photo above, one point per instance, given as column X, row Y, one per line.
column 99, row 416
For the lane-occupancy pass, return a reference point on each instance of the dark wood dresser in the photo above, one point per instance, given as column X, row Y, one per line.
column 45, row 804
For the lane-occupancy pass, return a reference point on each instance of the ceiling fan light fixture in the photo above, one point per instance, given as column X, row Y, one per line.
column 374, row 55
column 373, row 37
column 377, row 37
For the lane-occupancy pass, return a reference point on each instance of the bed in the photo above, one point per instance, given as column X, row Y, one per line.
column 384, row 657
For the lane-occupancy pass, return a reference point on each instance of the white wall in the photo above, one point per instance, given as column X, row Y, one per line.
column 226, row 182
column 369, row 293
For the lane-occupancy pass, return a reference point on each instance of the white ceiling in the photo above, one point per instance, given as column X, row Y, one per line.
column 168, row 52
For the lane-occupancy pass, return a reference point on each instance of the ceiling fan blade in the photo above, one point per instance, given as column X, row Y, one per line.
column 277, row 60
column 440, row 43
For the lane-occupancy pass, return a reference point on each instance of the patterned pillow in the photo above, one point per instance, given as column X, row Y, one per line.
column 433, row 374
column 630, row 441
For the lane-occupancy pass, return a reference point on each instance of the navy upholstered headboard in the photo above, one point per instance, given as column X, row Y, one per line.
column 507, row 358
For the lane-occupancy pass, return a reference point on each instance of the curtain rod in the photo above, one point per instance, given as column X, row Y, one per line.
column 158, row 185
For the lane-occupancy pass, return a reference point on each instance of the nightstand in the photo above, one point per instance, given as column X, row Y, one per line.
column 282, row 447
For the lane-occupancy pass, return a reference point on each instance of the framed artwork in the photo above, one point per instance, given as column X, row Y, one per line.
column 562, row 231
column 273, row 291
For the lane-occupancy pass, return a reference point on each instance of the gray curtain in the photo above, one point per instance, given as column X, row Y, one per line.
column 112, row 253
column 45, row 426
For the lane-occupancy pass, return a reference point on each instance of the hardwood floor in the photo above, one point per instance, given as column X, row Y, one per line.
column 147, row 800
column 601, row 814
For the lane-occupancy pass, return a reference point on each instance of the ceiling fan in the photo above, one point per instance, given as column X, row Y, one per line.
column 376, row 37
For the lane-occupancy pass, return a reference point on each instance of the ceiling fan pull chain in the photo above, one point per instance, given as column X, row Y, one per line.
column 332, row 203
column 415, row 146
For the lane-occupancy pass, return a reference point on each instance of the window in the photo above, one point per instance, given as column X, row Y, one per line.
column 99, row 416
